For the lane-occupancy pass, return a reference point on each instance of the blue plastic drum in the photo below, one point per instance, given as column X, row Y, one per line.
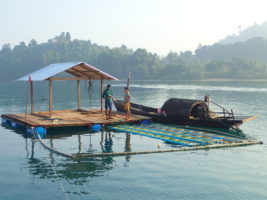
column 96, row 127
column 40, row 131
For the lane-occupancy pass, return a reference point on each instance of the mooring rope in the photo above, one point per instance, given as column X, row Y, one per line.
column 36, row 135
column 59, row 180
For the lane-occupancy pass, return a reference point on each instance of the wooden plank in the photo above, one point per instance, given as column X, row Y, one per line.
column 20, row 119
column 249, row 118
column 68, row 79
column 64, row 118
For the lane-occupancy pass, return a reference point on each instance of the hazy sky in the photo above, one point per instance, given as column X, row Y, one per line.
column 157, row 25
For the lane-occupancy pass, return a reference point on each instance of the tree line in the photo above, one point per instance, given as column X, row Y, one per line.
column 239, row 60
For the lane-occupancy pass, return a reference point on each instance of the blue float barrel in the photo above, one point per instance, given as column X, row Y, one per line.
column 146, row 122
column 40, row 131
column 96, row 127
column 29, row 130
column 14, row 124
column 4, row 121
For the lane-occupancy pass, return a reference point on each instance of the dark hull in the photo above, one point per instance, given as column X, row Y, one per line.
column 219, row 122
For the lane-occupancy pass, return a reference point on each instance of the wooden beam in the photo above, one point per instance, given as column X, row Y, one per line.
column 101, row 93
column 68, row 79
column 31, row 88
column 78, row 94
column 87, row 73
column 91, row 70
column 75, row 71
column 50, row 97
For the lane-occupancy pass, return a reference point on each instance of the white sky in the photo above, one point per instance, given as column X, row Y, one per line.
column 159, row 26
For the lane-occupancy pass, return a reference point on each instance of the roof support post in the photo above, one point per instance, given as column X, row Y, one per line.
column 31, row 88
column 101, row 93
column 78, row 94
column 50, row 97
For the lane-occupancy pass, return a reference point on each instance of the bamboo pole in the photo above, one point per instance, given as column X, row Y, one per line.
column 78, row 94
column 51, row 149
column 50, row 97
column 128, row 81
column 101, row 93
column 245, row 143
column 31, row 88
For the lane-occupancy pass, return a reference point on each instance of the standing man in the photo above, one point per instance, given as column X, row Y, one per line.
column 107, row 95
column 126, row 103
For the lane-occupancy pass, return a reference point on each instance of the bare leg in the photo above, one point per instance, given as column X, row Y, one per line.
column 129, row 114
column 106, row 113
column 109, row 113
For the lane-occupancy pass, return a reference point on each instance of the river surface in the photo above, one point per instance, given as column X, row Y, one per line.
column 28, row 171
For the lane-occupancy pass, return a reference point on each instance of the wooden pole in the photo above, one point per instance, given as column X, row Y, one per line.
column 245, row 143
column 32, row 106
column 128, row 81
column 50, row 97
column 101, row 91
column 78, row 94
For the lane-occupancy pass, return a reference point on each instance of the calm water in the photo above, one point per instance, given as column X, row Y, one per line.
column 229, row 173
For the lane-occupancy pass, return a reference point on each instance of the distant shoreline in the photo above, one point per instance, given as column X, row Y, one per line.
column 202, row 80
column 205, row 80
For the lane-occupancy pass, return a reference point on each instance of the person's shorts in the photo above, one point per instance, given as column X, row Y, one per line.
column 126, row 106
column 108, row 105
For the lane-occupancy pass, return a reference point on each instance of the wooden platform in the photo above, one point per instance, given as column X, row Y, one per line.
column 65, row 118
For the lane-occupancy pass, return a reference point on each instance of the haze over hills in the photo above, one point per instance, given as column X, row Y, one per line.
column 239, row 60
column 256, row 30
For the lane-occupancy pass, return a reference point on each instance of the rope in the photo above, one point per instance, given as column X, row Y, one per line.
column 53, row 168
column 59, row 180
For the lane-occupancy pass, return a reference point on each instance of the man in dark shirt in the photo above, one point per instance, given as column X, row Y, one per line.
column 108, row 95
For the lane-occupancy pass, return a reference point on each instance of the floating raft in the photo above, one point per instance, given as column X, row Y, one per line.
column 184, row 138
column 177, row 135
column 68, row 118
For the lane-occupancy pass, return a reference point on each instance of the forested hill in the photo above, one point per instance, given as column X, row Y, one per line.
column 256, row 30
column 239, row 60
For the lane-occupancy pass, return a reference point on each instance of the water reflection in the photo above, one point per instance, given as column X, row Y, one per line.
column 127, row 148
column 108, row 142
column 74, row 171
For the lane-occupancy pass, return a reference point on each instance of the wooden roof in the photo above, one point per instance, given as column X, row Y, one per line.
column 80, row 71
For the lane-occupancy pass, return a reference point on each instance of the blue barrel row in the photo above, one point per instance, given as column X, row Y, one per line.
column 40, row 130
